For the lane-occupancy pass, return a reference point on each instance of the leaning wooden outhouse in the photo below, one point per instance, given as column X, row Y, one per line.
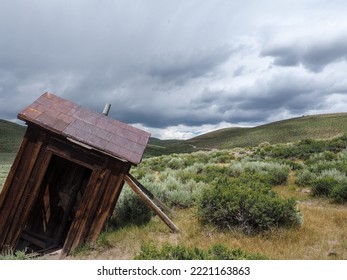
column 67, row 176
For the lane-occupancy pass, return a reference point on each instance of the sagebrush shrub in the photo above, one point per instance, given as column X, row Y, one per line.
column 322, row 186
column 323, row 165
column 339, row 192
column 130, row 209
column 235, row 169
column 277, row 173
column 342, row 155
column 305, row 177
column 327, row 181
column 176, row 163
column 337, row 144
column 324, row 156
column 252, row 208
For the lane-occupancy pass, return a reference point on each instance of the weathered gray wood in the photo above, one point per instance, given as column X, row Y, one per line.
column 150, row 203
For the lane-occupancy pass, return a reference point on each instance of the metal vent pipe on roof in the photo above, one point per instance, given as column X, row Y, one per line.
column 106, row 109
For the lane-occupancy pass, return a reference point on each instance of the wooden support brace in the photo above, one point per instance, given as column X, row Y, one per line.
column 138, row 190
column 150, row 195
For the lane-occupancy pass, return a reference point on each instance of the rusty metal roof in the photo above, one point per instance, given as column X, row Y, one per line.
column 88, row 127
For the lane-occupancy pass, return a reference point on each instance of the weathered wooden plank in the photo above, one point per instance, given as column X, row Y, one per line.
column 150, row 204
column 18, row 189
column 106, row 205
column 13, row 169
column 157, row 201
column 91, row 216
column 123, row 169
column 33, row 240
column 76, row 153
column 30, row 196
column 7, row 195
column 74, row 236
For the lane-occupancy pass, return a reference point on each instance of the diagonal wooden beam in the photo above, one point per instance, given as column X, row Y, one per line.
column 141, row 192
column 150, row 195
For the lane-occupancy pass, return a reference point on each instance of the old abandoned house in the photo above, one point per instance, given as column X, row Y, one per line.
column 67, row 176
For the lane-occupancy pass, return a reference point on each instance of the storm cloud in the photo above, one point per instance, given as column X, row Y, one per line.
column 177, row 68
column 314, row 54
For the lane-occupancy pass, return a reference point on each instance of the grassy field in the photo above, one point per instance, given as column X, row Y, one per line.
column 321, row 236
column 179, row 180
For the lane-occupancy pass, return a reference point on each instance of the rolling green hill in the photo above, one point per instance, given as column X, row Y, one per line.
column 290, row 130
column 11, row 135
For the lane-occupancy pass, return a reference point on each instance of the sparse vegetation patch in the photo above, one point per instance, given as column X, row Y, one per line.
column 181, row 252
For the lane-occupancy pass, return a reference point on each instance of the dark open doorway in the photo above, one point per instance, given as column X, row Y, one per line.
column 51, row 217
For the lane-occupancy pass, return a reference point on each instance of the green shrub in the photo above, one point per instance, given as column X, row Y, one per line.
column 210, row 172
column 339, row 192
column 307, row 147
column 322, row 186
column 305, row 178
column 301, row 150
column 252, row 208
column 17, row 255
column 342, row 155
column 324, row 156
column 277, row 173
column 337, row 144
column 292, row 164
column 176, row 163
column 223, row 156
column 279, row 151
column 321, row 166
column 180, row 252
column 327, row 181
column 175, row 192
column 201, row 156
column 130, row 209
column 235, row 169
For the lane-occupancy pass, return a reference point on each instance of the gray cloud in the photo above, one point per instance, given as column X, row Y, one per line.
column 171, row 63
column 315, row 54
column 293, row 92
column 189, row 65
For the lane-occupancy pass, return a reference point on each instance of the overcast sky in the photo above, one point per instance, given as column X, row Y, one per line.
column 177, row 68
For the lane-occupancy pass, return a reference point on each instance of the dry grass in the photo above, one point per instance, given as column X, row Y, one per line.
column 321, row 237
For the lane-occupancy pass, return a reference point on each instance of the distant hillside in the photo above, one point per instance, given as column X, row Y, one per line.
column 290, row 130
column 157, row 147
column 11, row 135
